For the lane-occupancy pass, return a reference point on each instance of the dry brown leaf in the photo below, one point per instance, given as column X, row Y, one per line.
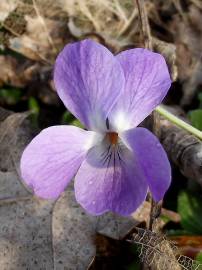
column 34, row 43
column 36, row 33
column 15, row 133
column 25, row 227
column 11, row 187
column 25, row 235
column 189, row 245
column 187, row 34
column 73, row 234
column 87, row 17
column 6, row 7
column 74, row 231
column 16, row 73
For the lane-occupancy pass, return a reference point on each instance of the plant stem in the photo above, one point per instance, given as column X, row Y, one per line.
column 178, row 122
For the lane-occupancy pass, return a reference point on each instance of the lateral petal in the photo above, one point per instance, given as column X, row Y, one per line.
column 152, row 159
column 53, row 157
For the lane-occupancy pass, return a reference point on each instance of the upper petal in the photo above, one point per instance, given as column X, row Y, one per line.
column 110, row 179
column 89, row 80
column 147, row 83
column 52, row 158
column 152, row 158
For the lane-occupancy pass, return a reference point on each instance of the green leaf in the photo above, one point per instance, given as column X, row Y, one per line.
column 196, row 118
column 67, row 118
column 200, row 100
column 199, row 257
column 33, row 105
column 11, row 96
column 177, row 232
column 136, row 264
column 189, row 208
column 77, row 123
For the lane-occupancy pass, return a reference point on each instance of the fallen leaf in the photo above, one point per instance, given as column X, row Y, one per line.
column 190, row 245
column 25, row 235
column 16, row 73
column 74, row 231
column 10, row 186
column 187, row 34
column 25, row 227
column 6, row 7
column 15, row 133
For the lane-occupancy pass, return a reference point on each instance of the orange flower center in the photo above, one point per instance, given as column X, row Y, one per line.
column 113, row 137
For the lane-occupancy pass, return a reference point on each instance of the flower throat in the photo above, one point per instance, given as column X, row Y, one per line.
column 113, row 137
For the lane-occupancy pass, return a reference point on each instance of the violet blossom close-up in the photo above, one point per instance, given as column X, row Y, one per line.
column 114, row 162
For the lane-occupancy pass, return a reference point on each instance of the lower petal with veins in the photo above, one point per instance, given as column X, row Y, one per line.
column 109, row 179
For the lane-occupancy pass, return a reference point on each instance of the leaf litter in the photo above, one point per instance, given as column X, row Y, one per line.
column 38, row 30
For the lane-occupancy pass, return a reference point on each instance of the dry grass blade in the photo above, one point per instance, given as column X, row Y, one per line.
column 88, row 15
column 197, row 3
column 158, row 252
column 46, row 31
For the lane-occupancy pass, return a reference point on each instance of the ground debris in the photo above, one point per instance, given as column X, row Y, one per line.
column 17, row 73
column 74, row 231
column 32, row 32
column 160, row 253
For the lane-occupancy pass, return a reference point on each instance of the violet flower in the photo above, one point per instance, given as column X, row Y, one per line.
column 114, row 162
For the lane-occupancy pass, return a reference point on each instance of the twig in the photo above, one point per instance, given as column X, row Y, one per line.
column 121, row 12
column 86, row 11
column 197, row 3
column 128, row 23
column 154, row 214
column 146, row 32
column 173, row 216
column 14, row 200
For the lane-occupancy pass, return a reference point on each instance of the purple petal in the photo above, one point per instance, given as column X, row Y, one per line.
column 89, row 80
column 147, row 83
column 109, row 179
column 152, row 159
column 53, row 157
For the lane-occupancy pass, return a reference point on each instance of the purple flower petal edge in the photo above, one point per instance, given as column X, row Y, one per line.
column 152, row 159
column 52, row 158
column 147, row 81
